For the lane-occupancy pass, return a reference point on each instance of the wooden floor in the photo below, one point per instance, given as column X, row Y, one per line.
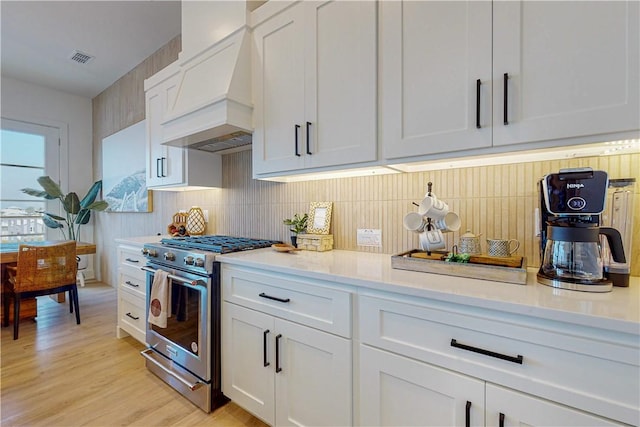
column 61, row 374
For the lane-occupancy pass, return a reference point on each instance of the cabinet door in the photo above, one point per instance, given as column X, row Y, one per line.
column 397, row 391
column 340, row 83
column 313, row 386
column 165, row 165
column 572, row 69
column 517, row 409
column 432, row 55
column 279, row 92
column 247, row 346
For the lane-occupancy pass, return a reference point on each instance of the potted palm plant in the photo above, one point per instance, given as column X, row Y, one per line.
column 297, row 225
column 78, row 212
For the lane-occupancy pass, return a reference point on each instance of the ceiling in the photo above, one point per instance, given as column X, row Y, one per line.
column 39, row 37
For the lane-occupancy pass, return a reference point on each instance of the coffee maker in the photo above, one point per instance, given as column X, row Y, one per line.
column 571, row 203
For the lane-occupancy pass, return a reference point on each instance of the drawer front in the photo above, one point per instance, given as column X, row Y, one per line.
column 597, row 375
column 302, row 301
column 131, row 256
column 134, row 284
column 131, row 316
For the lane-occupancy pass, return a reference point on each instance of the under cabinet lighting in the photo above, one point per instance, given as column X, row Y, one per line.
column 347, row 173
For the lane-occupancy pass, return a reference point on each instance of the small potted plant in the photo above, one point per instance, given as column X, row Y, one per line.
column 297, row 225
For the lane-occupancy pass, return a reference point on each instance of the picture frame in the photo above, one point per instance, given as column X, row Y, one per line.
column 124, row 171
column 319, row 218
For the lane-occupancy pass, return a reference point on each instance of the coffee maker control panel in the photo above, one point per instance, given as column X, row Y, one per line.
column 575, row 192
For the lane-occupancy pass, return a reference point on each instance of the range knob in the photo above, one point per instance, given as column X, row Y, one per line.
column 152, row 253
column 169, row 256
column 188, row 260
column 199, row 262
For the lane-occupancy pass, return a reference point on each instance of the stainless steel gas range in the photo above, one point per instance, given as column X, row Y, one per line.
column 186, row 352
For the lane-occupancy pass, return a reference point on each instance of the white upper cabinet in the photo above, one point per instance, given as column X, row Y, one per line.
column 432, row 56
column 571, row 74
column 315, row 87
column 174, row 167
column 572, row 69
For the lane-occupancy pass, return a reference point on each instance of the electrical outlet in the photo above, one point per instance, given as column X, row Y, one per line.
column 369, row 237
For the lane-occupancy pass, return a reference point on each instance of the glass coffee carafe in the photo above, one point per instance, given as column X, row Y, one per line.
column 573, row 255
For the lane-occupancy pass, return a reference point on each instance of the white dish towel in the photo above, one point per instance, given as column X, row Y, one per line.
column 159, row 299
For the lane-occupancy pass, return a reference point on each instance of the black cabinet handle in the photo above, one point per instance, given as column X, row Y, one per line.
column 518, row 359
column 506, row 97
column 467, row 415
column 263, row 295
column 132, row 316
column 501, row 422
column 308, row 150
column 158, row 168
column 130, row 283
column 278, row 367
column 163, row 161
column 478, row 84
column 264, row 348
column 132, row 260
column 295, row 129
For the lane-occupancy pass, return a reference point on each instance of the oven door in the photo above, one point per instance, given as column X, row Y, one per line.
column 186, row 338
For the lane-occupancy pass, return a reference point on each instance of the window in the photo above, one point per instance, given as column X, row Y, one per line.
column 27, row 151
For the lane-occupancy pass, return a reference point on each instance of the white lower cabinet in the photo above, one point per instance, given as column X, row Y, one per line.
column 398, row 391
column 132, row 292
column 421, row 361
column 282, row 371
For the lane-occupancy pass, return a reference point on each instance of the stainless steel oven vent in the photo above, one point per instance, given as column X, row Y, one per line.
column 224, row 142
column 81, row 57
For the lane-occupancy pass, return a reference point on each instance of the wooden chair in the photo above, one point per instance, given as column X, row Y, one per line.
column 42, row 270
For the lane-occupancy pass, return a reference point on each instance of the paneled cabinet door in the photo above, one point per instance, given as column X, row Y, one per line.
column 247, row 360
column 313, row 377
column 315, row 87
column 435, row 62
column 164, row 163
column 507, row 408
column 397, row 391
column 572, row 69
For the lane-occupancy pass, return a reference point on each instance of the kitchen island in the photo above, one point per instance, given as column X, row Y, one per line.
column 429, row 348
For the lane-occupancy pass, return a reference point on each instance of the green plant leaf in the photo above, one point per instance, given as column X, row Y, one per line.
column 71, row 203
column 91, row 194
column 51, row 223
column 50, row 186
column 100, row 205
column 33, row 192
column 54, row 216
column 83, row 216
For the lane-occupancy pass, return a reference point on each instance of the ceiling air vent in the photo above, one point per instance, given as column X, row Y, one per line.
column 81, row 57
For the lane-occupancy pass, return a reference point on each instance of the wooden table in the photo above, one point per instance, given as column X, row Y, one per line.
column 9, row 256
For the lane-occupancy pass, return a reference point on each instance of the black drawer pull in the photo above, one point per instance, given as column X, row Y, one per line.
column 132, row 284
column 518, row 359
column 263, row 295
column 132, row 260
column 308, row 149
column 295, row 130
column 265, row 362
column 501, row 422
column 467, row 415
column 278, row 367
column 132, row 316
column 506, row 98
column 478, row 84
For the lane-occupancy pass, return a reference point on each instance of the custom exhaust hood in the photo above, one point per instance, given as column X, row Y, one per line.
column 209, row 104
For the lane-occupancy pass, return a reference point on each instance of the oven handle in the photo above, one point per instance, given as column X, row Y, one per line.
column 192, row 283
column 191, row 386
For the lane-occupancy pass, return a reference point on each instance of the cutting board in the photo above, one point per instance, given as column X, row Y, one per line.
column 480, row 266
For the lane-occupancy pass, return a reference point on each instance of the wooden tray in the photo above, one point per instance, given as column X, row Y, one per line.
column 509, row 270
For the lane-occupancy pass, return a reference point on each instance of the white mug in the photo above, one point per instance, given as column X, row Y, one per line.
column 433, row 208
column 431, row 240
column 450, row 222
column 501, row 248
column 415, row 222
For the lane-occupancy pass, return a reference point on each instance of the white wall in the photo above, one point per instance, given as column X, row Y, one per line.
column 72, row 114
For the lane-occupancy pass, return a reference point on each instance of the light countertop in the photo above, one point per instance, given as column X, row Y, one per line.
column 618, row 310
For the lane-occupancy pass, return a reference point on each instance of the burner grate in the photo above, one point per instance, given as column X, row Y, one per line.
column 218, row 244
